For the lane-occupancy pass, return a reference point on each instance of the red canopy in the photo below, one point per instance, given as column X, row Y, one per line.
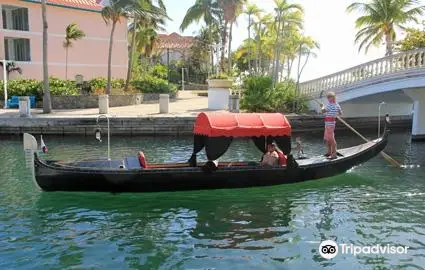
column 242, row 124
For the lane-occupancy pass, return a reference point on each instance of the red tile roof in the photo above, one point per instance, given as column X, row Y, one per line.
column 173, row 41
column 79, row 4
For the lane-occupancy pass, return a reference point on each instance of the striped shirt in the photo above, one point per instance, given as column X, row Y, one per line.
column 332, row 111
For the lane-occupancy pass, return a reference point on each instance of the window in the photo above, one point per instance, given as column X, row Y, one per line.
column 15, row 18
column 17, row 49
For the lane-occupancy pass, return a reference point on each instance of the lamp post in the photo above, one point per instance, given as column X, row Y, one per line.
column 5, row 81
column 183, row 78
column 109, row 136
column 168, row 65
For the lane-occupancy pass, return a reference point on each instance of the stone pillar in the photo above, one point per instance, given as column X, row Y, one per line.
column 24, row 106
column 418, row 125
column 103, row 104
column 218, row 94
column 164, row 101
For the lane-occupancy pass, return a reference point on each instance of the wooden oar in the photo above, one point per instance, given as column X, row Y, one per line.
column 387, row 157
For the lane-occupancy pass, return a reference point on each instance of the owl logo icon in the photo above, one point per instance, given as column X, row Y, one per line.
column 328, row 249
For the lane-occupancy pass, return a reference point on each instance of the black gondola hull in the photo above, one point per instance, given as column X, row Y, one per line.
column 53, row 177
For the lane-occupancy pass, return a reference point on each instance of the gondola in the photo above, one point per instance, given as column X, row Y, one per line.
column 213, row 132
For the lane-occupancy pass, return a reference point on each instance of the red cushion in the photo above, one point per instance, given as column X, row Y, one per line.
column 142, row 160
column 282, row 158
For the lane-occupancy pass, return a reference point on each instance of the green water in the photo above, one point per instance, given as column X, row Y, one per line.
column 276, row 227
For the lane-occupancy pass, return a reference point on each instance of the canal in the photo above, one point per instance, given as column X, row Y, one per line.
column 277, row 227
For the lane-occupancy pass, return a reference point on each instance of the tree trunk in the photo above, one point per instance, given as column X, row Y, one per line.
column 111, row 43
column 300, row 71
column 229, row 50
column 249, row 43
column 259, row 56
column 277, row 63
column 223, row 46
column 130, row 59
column 257, row 51
column 389, row 44
column 212, row 60
column 275, row 53
column 290, row 63
column 66, row 63
column 47, row 104
column 294, row 105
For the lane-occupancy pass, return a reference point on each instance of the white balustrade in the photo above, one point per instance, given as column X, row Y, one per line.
column 380, row 67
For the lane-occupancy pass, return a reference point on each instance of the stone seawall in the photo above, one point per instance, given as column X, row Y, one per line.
column 160, row 125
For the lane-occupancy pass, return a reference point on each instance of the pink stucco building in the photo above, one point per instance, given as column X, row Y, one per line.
column 21, row 39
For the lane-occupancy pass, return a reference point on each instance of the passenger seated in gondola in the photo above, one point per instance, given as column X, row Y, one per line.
column 271, row 157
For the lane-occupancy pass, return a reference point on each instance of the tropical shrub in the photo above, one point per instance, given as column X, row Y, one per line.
column 259, row 95
column 100, row 83
column 22, row 87
column 60, row 87
column 160, row 71
column 150, row 84
column 287, row 96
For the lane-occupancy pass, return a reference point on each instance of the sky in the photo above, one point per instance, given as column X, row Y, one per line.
column 325, row 20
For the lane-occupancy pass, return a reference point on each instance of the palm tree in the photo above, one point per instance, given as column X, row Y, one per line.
column 380, row 20
column 236, row 8
column 145, row 15
column 202, row 9
column 251, row 9
column 282, row 9
column 72, row 33
column 231, row 9
column 146, row 38
column 292, row 35
column 47, row 104
column 112, row 14
column 260, row 28
column 306, row 48
column 219, row 12
column 10, row 68
column 209, row 12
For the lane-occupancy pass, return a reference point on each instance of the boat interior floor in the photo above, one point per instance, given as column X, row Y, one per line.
column 133, row 162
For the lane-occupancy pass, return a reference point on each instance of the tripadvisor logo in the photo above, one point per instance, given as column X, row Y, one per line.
column 328, row 249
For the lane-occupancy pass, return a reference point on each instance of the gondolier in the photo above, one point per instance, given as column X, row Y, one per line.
column 331, row 111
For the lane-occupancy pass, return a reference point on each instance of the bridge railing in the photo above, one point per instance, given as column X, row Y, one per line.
column 379, row 67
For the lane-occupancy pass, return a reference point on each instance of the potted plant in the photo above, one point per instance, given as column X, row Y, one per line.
column 218, row 91
column 220, row 81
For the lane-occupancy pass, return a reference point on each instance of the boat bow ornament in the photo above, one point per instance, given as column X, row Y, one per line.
column 401, row 65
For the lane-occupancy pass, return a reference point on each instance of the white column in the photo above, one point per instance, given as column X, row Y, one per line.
column 164, row 101
column 418, row 125
column 5, row 82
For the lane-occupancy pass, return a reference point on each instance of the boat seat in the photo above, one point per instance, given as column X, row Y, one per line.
column 132, row 163
column 282, row 158
column 142, row 160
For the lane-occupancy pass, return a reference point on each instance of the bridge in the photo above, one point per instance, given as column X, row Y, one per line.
column 398, row 80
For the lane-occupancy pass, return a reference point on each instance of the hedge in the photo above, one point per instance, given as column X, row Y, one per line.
column 58, row 87
column 150, row 84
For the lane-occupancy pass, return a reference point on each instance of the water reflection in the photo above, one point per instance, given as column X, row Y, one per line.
column 260, row 228
column 185, row 229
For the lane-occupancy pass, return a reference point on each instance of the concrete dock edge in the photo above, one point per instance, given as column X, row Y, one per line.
column 161, row 125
